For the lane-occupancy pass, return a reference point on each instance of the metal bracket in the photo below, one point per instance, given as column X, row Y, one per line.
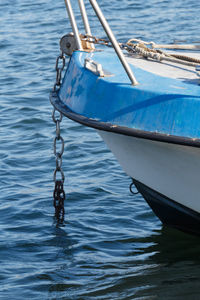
column 94, row 67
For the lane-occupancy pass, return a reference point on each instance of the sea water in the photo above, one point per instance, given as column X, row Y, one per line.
column 110, row 245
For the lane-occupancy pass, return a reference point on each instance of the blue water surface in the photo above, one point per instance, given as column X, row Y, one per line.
column 111, row 245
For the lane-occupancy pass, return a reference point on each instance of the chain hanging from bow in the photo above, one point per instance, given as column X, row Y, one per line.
column 59, row 178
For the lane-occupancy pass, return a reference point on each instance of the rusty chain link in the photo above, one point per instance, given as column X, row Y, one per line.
column 59, row 198
column 92, row 39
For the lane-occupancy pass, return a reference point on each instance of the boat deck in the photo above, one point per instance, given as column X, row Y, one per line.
column 168, row 69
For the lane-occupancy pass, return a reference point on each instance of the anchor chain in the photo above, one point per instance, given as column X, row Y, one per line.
column 59, row 193
column 60, row 64
column 59, row 177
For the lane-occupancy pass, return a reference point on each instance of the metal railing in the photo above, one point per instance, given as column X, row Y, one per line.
column 106, row 28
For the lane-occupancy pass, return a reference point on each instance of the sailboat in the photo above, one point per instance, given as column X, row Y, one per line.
column 143, row 99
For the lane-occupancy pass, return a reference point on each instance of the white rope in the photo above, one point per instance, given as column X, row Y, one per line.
column 141, row 49
column 176, row 47
column 162, row 57
column 166, row 46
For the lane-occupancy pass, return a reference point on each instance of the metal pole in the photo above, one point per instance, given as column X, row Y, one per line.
column 73, row 24
column 84, row 16
column 85, row 19
column 113, row 41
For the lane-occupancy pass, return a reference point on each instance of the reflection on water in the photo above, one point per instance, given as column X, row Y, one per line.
column 163, row 265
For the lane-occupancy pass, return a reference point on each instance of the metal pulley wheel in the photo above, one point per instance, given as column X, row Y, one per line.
column 68, row 44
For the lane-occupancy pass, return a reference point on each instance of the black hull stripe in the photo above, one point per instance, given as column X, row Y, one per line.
column 104, row 126
column 170, row 213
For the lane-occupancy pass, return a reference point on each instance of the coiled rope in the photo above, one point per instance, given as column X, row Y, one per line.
column 140, row 47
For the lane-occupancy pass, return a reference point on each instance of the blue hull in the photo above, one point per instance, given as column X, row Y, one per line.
column 158, row 105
